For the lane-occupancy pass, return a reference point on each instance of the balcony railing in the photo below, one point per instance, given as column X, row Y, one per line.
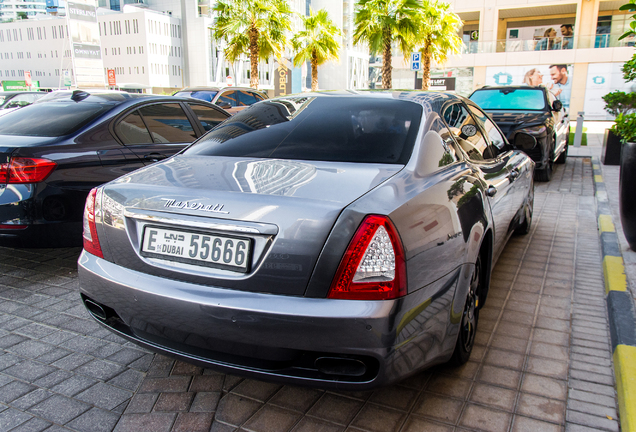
column 548, row 44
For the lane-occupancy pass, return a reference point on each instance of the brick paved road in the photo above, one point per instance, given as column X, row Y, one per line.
column 542, row 360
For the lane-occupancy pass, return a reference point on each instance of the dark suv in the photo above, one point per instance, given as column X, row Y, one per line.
column 534, row 111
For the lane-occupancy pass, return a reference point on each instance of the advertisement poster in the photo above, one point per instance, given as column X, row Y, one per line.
column 87, row 53
column 602, row 78
column 557, row 78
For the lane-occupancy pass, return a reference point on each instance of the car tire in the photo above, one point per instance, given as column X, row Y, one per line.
column 545, row 175
column 526, row 225
column 564, row 154
column 470, row 317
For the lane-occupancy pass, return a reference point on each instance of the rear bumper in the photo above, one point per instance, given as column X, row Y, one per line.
column 273, row 337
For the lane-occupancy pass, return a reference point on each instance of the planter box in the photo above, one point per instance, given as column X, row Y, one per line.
column 611, row 152
column 626, row 188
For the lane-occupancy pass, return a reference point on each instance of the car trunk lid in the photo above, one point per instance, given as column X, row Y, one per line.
column 284, row 209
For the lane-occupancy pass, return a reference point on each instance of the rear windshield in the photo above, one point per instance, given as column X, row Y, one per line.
column 336, row 129
column 205, row 95
column 510, row 99
column 51, row 119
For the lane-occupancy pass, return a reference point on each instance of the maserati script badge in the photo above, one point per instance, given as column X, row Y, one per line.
column 187, row 205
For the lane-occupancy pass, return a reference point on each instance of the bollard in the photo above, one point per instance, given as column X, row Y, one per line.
column 578, row 134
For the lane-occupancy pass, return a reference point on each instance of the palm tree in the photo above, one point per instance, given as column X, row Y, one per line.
column 316, row 43
column 438, row 36
column 256, row 27
column 380, row 22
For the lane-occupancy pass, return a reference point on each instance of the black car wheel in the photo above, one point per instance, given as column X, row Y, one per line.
column 545, row 174
column 470, row 315
column 524, row 227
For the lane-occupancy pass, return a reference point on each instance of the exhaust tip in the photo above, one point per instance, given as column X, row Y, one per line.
column 96, row 310
column 340, row 366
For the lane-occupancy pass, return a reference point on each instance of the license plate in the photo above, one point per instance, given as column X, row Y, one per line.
column 210, row 250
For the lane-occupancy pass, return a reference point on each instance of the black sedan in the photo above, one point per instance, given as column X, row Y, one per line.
column 53, row 153
column 336, row 240
column 534, row 111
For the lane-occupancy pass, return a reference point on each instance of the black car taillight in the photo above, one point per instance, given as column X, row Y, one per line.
column 373, row 266
column 25, row 170
column 91, row 241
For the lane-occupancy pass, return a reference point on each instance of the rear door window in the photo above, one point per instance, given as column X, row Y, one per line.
column 208, row 117
column 132, row 130
column 168, row 123
column 339, row 129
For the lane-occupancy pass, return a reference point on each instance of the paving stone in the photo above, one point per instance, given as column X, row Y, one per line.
column 14, row 390
column 11, row 418
column 525, row 424
column 205, row 402
column 550, row 410
column 71, row 361
column 259, row 390
column 129, row 379
column 125, row 356
column 174, row 402
column 591, row 408
column 33, row 425
column 595, row 398
column 482, row 418
column 272, row 418
column 235, row 410
column 31, row 348
column 59, row 409
column 592, row 421
column 104, row 396
column 30, row 399
column 153, row 422
column 100, row 369
column 53, row 355
column 333, row 408
column 193, row 422
column 10, row 340
column 208, row 383
column 592, row 387
column 494, row 396
column 167, row 384
column 8, row 360
column 95, row 420
column 142, row 403
column 74, row 385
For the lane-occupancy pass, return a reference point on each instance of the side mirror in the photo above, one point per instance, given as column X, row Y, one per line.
column 557, row 105
column 524, row 141
column 223, row 105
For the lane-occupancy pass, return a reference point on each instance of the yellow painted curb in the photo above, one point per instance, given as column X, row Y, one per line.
column 625, row 371
column 598, row 178
column 605, row 224
column 614, row 271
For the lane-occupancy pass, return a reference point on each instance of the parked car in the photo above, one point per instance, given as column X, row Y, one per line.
column 231, row 99
column 534, row 111
column 53, row 153
column 12, row 100
column 337, row 240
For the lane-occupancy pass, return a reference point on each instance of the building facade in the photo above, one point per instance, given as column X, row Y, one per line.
column 22, row 9
column 571, row 47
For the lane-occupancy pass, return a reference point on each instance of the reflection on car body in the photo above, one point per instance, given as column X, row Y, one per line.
column 352, row 246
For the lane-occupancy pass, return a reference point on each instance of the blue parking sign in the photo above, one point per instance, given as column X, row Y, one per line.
column 416, row 61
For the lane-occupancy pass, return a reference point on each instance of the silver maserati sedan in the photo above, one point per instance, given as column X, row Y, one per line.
column 339, row 240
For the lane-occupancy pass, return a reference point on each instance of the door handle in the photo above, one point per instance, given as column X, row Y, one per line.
column 491, row 191
column 154, row 157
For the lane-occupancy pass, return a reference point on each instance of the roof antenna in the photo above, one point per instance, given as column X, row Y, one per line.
column 79, row 95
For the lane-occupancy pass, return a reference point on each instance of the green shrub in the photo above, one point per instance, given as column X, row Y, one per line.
column 625, row 127
column 618, row 102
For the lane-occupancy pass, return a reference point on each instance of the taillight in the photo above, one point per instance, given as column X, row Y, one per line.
column 26, row 170
column 373, row 266
column 91, row 241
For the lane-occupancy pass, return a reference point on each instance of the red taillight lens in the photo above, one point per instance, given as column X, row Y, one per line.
column 26, row 170
column 373, row 267
column 91, row 241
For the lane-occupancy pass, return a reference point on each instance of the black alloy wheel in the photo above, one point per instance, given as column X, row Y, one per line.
column 564, row 154
column 524, row 227
column 470, row 316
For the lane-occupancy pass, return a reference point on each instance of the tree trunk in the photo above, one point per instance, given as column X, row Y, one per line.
column 387, row 69
column 426, row 65
column 253, row 58
column 314, row 71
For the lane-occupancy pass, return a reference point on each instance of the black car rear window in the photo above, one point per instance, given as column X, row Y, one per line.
column 51, row 119
column 510, row 99
column 337, row 129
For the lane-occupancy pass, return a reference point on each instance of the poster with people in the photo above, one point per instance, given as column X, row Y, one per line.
column 540, row 38
column 557, row 78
